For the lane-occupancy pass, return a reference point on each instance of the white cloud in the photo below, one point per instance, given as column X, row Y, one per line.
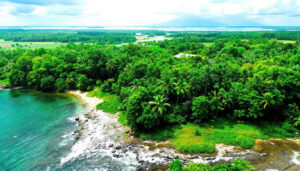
column 40, row 11
column 146, row 12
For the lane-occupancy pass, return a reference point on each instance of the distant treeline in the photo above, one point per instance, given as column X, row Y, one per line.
column 67, row 36
column 212, row 36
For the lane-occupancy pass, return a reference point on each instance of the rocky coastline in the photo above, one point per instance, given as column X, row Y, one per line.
column 100, row 132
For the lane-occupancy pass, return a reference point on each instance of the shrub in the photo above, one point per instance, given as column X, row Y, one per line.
column 176, row 165
column 243, row 165
column 158, row 134
column 61, row 85
column 123, row 119
column 197, row 132
column 107, row 86
column 197, row 167
column 236, row 165
column 200, row 108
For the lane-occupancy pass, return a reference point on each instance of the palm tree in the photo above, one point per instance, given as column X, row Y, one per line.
column 159, row 104
column 266, row 99
column 110, row 66
column 166, row 86
column 216, row 102
column 182, row 88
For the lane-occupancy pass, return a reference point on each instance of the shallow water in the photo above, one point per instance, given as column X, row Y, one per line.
column 278, row 154
column 32, row 128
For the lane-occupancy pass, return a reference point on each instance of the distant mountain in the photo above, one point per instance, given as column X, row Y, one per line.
column 198, row 21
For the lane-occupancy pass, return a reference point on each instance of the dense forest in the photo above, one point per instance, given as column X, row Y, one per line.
column 247, row 80
column 212, row 35
column 100, row 37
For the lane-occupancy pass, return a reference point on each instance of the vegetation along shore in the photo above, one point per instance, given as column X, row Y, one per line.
column 234, row 100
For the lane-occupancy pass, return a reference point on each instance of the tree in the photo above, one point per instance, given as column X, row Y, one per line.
column 267, row 100
column 47, row 83
column 201, row 108
column 82, row 82
column 61, row 85
column 159, row 104
column 181, row 88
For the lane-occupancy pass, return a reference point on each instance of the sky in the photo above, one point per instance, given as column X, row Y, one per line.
column 147, row 12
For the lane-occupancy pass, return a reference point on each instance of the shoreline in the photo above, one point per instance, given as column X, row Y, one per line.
column 91, row 102
column 99, row 136
column 102, row 134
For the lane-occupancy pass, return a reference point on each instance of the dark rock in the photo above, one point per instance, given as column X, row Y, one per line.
column 176, row 157
column 124, row 151
column 78, row 136
column 110, row 145
column 113, row 151
column 192, row 157
column 210, row 158
column 141, row 161
column 170, row 158
column 77, row 119
column 139, row 168
column 118, row 147
column 116, row 155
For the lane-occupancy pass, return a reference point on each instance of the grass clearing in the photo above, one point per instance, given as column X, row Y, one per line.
column 287, row 41
column 28, row 45
column 109, row 106
column 193, row 138
column 111, row 102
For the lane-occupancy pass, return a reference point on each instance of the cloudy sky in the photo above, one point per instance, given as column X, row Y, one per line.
column 147, row 12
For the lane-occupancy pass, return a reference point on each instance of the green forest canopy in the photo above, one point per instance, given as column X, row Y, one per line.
column 253, row 79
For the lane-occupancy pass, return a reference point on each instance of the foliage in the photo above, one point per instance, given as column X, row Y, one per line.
column 194, row 138
column 176, row 165
column 5, row 82
column 112, row 106
column 236, row 165
column 111, row 102
column 122, row 119
column 103, row 37
column 251, row 80
column 159, row 134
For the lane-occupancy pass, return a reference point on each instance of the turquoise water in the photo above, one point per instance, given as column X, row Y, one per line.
column 32, row 125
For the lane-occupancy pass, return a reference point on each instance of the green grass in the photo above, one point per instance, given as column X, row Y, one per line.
column 193, row 138
column 122, row 119
column 109, row 106
column 237, row 165
column 202, row 138
column 33, row 45
column 287, row 41
column 5, row 82
column 159, row 134
column 111, row 102
column 102, row 95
